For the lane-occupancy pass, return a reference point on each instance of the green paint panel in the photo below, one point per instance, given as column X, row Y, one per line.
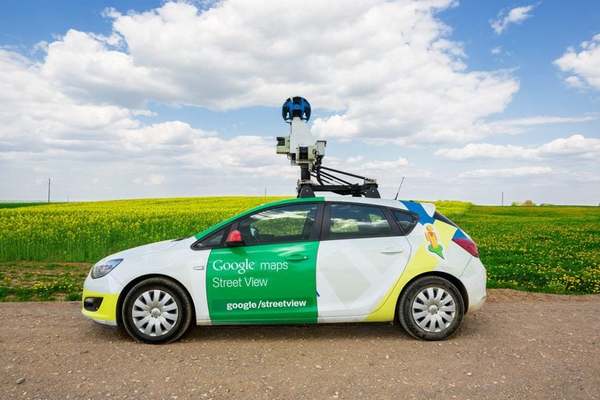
column 271, row 283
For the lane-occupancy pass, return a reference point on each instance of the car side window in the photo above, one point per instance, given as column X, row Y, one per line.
column 291, row 223
column 357, row 221
column 405, row 220
column 211, row 241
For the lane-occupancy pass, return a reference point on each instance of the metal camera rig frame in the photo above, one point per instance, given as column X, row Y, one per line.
column 304, row 151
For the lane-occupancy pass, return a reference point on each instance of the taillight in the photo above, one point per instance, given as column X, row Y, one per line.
column 468, row 245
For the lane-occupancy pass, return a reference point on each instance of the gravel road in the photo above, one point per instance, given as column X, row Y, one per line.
column 519, row 346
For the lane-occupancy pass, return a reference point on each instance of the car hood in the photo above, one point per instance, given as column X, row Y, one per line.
column 152, row 248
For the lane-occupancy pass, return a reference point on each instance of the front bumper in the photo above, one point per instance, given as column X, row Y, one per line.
column 106, row 312
column 99, row 300
column 474, row 278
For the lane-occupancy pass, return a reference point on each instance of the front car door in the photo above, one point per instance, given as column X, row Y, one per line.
column 271, row 278
column 362, row 254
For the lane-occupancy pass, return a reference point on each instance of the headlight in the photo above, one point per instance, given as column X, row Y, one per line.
column 101, row 269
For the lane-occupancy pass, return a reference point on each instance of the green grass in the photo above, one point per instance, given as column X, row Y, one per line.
column 86, row 232
column 29, row 281
column 553, row 249
column 20, row 205
column 548, row 249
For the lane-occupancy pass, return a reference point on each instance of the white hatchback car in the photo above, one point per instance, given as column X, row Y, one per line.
column 305, row 260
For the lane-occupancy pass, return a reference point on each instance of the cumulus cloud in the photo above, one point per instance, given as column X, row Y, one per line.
column 40, row 119
column 486, row 150
column 36, row 110
column 514, row 16
column 574, row 145
column 383, row 69
column 583, row 67
column 518, row 125
column 507, row 172
column 375, row 70
column 152, row 179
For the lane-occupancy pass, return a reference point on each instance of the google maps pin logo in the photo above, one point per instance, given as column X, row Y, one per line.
column 434, row 246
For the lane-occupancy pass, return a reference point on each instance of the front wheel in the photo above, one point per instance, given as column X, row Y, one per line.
column 156, row 310
column 431, row 308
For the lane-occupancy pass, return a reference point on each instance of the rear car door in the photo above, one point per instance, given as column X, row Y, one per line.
column 271, row 278
column 362, row 254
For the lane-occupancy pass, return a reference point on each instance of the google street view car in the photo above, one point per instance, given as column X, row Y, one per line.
column 346, row 257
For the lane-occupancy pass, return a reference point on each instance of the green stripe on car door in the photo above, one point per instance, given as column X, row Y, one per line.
column 270, row 283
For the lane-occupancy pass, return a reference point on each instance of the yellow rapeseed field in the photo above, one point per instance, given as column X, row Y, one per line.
column 551, row 249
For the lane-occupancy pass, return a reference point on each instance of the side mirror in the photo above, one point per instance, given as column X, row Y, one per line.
column 234, row 238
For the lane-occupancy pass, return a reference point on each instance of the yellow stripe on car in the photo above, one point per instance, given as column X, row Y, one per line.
column 422, row 261
column 107, row 311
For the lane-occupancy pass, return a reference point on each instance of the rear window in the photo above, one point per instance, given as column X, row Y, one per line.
column 443, row 218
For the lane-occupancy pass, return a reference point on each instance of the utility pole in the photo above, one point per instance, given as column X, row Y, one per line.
column 49, row 183
column 502, row 203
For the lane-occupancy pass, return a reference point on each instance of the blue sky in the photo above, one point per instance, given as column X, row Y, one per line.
column 153, row 99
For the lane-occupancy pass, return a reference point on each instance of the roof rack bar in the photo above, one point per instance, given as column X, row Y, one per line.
column 342, row 172
column 331, row 177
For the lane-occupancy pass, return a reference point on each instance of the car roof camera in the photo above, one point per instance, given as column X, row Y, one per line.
column 307, row 152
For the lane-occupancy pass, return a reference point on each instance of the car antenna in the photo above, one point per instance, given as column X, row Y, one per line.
column 399, row 187
column 304, row 151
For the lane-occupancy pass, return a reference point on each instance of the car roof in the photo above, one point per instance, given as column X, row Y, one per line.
column 411, row 205
column 365, row 200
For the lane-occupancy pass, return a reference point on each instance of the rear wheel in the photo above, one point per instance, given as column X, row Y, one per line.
column 431, row 308
column 156, row 310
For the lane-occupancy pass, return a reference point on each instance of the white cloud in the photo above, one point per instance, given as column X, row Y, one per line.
column 574, row 145
column 496, row 50
column 42, row 120
column 387, row 69
column 36, row 110
column 486, row 150
column 518, row 125
column 82, row 109
column 514, row 16
column 152, row 179
column 507, row 172
column 583, row 66
column 373, row 167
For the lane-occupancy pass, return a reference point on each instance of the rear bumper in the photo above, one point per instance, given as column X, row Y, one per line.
column 474, row 279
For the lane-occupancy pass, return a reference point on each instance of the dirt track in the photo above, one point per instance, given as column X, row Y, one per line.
column 519, row 346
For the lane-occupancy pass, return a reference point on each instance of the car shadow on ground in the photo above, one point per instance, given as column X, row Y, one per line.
column 269, row 332
column 296, row 332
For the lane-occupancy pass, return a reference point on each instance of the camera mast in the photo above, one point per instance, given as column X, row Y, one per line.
column 307, row 153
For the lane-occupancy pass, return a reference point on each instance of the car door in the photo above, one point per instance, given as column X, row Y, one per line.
column 362, row 254
column 271, row 278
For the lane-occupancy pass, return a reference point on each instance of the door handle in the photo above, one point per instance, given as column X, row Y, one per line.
column 297, row 257
column 392, row 251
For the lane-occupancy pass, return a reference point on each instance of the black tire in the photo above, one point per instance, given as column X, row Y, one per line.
column 407, row 318
column 180, row 298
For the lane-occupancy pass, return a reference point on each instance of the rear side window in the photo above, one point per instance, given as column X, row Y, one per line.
column 357, row 221
column 406, row 221
column 443, row 218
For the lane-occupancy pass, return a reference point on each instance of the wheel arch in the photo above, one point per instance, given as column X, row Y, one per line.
column 141, row 278
column 455, row 281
